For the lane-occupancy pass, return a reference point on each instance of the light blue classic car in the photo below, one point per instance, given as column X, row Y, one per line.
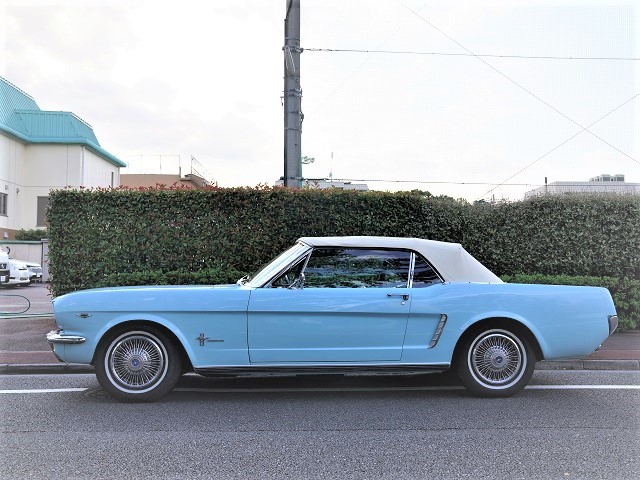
column 334, row 305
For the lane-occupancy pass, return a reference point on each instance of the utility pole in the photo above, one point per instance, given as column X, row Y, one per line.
column 292, row 97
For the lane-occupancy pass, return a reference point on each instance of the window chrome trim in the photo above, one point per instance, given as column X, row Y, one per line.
column 412, row 266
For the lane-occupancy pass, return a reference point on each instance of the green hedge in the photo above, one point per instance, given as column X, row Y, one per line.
column 96, row 235
column 625, row 292
column 593, row 235
column 208, row 276
column 36, row 234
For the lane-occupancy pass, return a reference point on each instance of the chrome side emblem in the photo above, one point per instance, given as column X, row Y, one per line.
column 83, row 315
column 201, row 338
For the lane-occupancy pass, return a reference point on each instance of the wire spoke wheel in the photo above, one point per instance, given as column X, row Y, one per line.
column 136, row 361
column 496, row 359
column 496, row 362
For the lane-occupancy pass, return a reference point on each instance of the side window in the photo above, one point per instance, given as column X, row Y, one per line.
column 423, row 274
column 357, row 268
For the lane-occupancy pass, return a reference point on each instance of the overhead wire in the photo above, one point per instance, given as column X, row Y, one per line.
column 459, row 54
column 518, row 84
column 360, row 65
column 450, row 182
column 560, row 145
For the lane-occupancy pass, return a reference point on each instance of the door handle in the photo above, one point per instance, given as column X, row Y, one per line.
column 405, row 296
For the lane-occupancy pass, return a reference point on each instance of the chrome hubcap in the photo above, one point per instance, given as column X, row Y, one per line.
column 496, row 359
column 137, row 361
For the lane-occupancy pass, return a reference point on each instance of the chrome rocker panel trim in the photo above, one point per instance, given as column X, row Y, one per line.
column 263, row 370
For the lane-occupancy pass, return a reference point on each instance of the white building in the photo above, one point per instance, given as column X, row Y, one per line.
column 324, row 183
column 601, row 184
column 40, row 151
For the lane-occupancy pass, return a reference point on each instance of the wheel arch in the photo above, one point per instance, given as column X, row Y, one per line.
column 505, row 323
column 140, row 325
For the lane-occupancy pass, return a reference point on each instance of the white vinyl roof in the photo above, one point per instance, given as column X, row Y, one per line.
column 451, row 260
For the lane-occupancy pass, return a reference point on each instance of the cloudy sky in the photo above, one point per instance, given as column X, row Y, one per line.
column 161, row 80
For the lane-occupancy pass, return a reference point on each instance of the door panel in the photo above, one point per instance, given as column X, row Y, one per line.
column 327, row 324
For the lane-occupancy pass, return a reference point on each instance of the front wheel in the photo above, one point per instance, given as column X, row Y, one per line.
column 138, row 365
column 495, row 363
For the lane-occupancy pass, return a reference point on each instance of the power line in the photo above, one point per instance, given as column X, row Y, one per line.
column 362, row 63
column 566, row 141
column 518, row 84
column 450, row 54
column 446, row 182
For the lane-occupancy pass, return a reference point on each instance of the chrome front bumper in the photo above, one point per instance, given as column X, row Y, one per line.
column 54, row 336
column 613, row 323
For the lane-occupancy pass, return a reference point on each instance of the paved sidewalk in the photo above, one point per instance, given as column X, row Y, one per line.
column 24, row 349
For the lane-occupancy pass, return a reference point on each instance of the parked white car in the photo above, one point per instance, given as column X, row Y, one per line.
column 4, row 267
column 19, row 274
column 35, row 270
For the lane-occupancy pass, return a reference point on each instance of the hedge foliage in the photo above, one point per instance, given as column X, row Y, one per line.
column 208, row 276
column 96, row 235
column 594, row 235
column 36, row 234
column 625, row 292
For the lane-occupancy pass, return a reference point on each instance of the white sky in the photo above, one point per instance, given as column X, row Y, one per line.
column 204, row 78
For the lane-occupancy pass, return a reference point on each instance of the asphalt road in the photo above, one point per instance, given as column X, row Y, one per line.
column 565, row 425
column 33, row 299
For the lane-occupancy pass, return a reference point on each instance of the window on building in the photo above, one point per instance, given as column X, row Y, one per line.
column 3, row 203
column 41, row 219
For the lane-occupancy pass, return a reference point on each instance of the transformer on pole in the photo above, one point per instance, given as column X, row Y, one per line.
column 292, row 97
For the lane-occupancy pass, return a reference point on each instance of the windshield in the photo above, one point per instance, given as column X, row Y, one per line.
column 277, row 264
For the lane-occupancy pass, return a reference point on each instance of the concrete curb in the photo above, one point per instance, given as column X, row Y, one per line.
column 577, row 364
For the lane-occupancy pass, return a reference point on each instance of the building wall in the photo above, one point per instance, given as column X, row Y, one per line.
column 135, row 180
column 31, row 171
column 591, row 187
column 12, row 161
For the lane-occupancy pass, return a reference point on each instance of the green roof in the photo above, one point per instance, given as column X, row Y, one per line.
column 21, row 118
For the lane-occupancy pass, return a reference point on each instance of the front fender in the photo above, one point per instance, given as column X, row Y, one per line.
column 149, row 318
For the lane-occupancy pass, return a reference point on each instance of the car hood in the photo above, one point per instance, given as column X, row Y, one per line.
column 150, row 298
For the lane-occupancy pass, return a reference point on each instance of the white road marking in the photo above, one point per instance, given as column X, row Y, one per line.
column 46, row 390
column 583, row 387
column 337, row 389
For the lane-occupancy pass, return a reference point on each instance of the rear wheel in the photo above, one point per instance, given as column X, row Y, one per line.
column 495, row 363
column 138, row 365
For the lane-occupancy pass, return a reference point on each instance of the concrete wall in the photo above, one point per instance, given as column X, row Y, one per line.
column 26, row 251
